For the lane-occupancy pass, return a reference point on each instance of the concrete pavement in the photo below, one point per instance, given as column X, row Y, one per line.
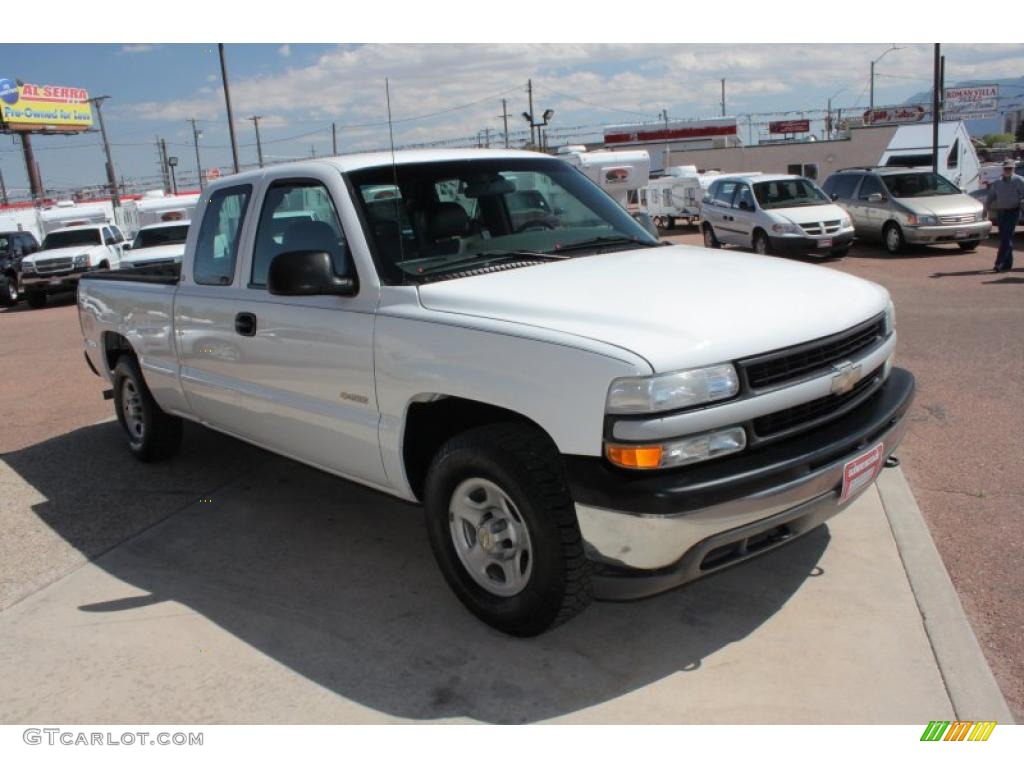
column 270, row 592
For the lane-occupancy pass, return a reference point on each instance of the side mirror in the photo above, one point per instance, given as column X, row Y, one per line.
column 834, row 196
column 307, row 273
column 645, row 221
column 126, row 245
column 876, row 197
column 744, row 205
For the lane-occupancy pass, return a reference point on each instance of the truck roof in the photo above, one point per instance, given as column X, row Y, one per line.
column 76, row 227
column 345, row 163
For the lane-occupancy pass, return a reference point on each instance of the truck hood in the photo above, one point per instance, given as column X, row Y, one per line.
column 153, row 253
column 677, row 307
column 941, row 205
column 810, row 214
column 60, row 253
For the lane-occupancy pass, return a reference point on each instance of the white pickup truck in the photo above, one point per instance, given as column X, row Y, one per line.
column 67, row 254
column 582, row 410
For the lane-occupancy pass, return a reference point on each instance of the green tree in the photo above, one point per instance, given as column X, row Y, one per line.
column 1020, row 130
column 991, row 139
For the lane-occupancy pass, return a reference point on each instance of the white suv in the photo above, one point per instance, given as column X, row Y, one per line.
column 775, row 214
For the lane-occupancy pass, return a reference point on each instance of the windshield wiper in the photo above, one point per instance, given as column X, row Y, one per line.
column 597, row 242
column 487, row 257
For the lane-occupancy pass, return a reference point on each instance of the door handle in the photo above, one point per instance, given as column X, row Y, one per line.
column 245, row 324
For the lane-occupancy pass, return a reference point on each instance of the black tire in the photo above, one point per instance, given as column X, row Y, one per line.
column 36, row 299
column 670, row 222
column 8, row 291
column 710, row 241
column 840, row 252
column 892, row 238
column 761, row 244
column 523, row 463
column 152, row 434
column 968, row 245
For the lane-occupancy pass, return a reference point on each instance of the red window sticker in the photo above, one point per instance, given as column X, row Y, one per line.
column 859, row 472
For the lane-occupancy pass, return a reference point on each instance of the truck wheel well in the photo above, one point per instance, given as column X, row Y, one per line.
column 115, row 345
column 429, row 425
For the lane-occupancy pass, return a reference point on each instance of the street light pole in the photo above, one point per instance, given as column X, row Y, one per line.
column 259, row 147
column 227, row 102
column 871, row 102
column 115, row 198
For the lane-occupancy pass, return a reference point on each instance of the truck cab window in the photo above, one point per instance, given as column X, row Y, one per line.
column 297, row 216
column 217, row 244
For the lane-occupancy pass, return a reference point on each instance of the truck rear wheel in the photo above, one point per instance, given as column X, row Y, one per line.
column 152, row 434
column 36, row 299
column 503, row 529
column 8, row 291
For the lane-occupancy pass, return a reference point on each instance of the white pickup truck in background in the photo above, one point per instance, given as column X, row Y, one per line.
column 67, row 254
column 582, row 410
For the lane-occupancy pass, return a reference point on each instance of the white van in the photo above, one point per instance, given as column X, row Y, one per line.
column 773, row 213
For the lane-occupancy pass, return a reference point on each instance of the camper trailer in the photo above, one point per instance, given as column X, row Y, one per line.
column 617, row 173
column 156, row 207
column 911, row 147
column 67, row 213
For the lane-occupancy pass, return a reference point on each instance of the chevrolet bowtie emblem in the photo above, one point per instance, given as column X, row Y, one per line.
column 846, row 376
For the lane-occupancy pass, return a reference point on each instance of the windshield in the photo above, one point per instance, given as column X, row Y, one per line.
column 447, row 219
column 5, row 244
column 71, row 238
column 919, row 184
column 147, row 238
column 788, row 193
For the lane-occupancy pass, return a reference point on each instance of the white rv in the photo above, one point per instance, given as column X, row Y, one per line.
column 676, row 196
column 156, row 207
column 911, row 146
column 67, row 213
column 617, row 173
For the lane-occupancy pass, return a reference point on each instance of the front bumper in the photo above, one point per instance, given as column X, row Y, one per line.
column 802, row 245
column 53, row 282
column 651, row 532
column 947, row 233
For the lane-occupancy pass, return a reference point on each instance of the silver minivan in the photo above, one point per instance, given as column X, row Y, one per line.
column 772, row 213
column 908, row 205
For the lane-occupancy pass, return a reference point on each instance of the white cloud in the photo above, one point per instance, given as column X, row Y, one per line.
column 285, row 50
column 139, row 48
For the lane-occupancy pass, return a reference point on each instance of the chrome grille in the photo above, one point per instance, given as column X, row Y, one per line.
column 963, row 218
column 821, row 228
column 816, row 411
column 49, row 266
column 787, row 365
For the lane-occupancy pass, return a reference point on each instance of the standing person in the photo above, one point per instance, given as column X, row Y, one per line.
column 1005, row 196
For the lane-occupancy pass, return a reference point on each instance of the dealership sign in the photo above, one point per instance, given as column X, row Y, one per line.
column 911, row 114
column 789, row 126
column 30, row 107
column 980, row 102
column 677, row 130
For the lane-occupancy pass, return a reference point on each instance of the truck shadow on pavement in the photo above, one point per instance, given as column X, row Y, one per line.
column 338, row 583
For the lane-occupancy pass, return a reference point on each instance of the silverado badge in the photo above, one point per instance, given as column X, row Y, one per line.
column 846, row 375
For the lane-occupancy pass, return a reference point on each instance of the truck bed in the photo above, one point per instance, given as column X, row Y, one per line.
column 163, row 274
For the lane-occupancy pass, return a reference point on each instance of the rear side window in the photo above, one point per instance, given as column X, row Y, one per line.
column 843, row 185
column 217, row 244
column 723, row 195
column 870, row 186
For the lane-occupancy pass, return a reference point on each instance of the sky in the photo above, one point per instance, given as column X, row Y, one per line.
column 441, row 92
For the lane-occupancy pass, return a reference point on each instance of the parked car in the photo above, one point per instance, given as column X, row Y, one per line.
column 582, row 411
column 65, row 256
column 14, row 246
column 908, row 205
column 774, row 214
column 156, row 244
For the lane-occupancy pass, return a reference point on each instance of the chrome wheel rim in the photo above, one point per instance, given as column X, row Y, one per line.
column 131, row 406
column 709, row 240
column 12, row 291
column 760, row 245
column 892, row 239
column 490, row 537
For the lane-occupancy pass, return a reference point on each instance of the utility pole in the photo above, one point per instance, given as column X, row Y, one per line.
column 227, row 101
column 196, row 133
column 936, row 106
column 115, row 198
column 871, row 102
column 161, row 161
column 942, row 80
column 3, row 187
column 165, row 168
column 172, row 163
column 334, row 139
column 259, row 147
column 504, row 116
column 487, row 138
column 533, row 133
column 312, row 150
column 723, row 97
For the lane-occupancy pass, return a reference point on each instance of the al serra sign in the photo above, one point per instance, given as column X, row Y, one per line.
column 29, row 107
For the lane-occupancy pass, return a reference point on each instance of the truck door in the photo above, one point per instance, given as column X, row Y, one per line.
column 744, row 212
column 307, row 361
column 113, row 255
column 719, row 213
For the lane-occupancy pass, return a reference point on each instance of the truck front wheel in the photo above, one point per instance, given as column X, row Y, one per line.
column 503, row 528
column 36, row 299
column 152, row 434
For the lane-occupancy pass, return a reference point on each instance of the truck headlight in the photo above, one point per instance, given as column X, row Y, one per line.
column 785, row 229
column 845, row 222
column 671, row 391
column 28, row 266
column 677, row 453
column 81, row 260
column 890, row 319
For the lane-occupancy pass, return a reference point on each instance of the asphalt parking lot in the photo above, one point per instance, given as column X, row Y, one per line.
column 234, row 586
